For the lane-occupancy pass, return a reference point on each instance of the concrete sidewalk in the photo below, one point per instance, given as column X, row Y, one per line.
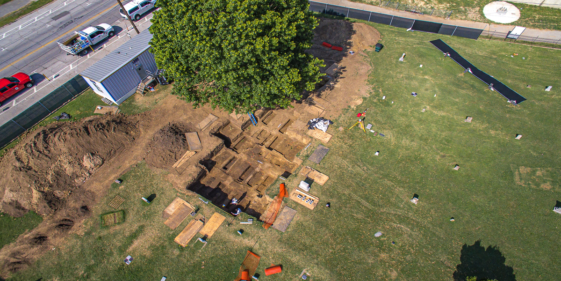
column 498, row 29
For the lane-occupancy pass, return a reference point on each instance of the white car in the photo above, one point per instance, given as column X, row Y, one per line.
column 99, row 32
column 137, row 8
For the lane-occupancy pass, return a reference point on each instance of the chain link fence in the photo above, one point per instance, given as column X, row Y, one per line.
column 412, row 8
column 396, row 21
column 533, row 39
column 41, row 109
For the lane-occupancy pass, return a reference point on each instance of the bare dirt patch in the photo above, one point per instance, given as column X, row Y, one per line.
column 539, row 178
column 168, row 145
column 56, row 160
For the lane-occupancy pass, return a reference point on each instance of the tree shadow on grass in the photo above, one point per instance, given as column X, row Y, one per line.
column 485, row 264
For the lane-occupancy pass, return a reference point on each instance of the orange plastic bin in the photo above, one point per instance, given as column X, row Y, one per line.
column 273, row 270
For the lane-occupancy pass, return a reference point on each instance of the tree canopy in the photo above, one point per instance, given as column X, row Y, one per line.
column 236, row 54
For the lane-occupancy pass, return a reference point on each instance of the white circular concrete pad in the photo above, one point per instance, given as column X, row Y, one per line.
column 501, row 12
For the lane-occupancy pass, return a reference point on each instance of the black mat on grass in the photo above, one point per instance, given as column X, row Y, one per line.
column 497, row 85
column 318, row 155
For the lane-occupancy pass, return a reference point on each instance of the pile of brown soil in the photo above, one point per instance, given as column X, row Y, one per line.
column 168, row 145
column 341, row 33
column 335, row 32
column 55, row 161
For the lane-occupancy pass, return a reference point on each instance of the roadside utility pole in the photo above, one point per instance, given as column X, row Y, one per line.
column 128, row 17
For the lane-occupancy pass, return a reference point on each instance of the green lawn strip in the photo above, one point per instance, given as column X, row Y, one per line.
column 2, row 2
column 11, row 228
column 34, row 5
column 531, row 16
column 137, row 104
column 502, row 195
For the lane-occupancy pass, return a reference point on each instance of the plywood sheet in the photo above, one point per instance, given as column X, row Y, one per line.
column 212, row 225
column 184, row 158
column 178, row 216
column 284, row 219
column 176, row 203
column 301, row 197
column 314, row 175
column 193, row 141
column 207, row 121
column 320, row 135
column 318, row 155
column 250, row 263
column 188, row 233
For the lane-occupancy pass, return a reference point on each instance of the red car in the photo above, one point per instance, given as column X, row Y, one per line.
column 9, row 86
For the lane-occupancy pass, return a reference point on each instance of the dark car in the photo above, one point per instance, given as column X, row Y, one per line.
column 10, row 86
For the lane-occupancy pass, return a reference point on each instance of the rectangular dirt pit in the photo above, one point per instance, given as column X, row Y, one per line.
column 243, row 144
column 229, row 164
column 287, row 147
column 286, row 125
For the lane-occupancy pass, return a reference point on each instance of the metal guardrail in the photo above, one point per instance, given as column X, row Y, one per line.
column 41, row 109
column 396, row 21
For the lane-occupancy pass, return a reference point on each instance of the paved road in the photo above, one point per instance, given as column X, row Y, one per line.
column 29, row 45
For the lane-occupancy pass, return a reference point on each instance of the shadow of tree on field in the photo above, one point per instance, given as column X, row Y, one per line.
column 484, row 264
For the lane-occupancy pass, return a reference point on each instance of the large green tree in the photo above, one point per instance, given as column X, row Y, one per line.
column 235, row 54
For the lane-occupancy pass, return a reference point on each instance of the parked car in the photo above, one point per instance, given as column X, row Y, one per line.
column 137, row 8
column 80, row 41
column 10, row 86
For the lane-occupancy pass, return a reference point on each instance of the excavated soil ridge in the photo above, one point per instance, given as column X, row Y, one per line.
column 55, row 161
column 168, row 145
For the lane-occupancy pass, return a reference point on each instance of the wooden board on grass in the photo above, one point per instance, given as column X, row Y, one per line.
column 207, row 121
column 176, row 203
column 302, row 198
column 212, row 225
column 314, row 175
column 193, row 141
column 320, row 135
column 177, row 217
column 188, row 232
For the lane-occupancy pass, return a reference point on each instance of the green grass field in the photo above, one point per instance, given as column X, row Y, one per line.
column 11, row 228
column 531, row 16
column 501, row 197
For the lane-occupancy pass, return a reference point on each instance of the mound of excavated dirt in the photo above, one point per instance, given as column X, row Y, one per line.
column 49, row 165
column 341, row 33
column 168, row 145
